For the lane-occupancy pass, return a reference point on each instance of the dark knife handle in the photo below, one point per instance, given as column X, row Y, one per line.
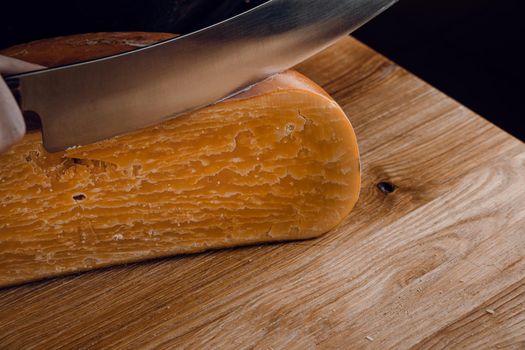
column 31, row 118
column 14, row 86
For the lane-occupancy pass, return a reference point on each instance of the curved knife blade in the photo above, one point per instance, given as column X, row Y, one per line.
column 91, row 101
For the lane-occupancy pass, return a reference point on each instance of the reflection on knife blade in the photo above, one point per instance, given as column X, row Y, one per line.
column 91, row 101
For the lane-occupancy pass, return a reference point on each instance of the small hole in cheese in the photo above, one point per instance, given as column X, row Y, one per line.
column 79, row 197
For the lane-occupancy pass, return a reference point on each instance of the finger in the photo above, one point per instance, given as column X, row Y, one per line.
column 9, row 65
column 12, row 125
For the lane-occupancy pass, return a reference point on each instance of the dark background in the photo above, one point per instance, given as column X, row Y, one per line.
column 469, row 49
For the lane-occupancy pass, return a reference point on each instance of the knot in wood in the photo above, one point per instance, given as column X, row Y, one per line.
column 386, row 187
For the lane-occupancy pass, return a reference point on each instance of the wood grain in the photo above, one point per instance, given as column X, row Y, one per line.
column 417, row 267
column 498, row 321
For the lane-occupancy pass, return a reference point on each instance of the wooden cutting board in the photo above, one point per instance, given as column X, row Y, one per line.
column 431, row 257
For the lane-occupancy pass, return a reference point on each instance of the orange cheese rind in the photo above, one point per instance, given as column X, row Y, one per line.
column 277, row 162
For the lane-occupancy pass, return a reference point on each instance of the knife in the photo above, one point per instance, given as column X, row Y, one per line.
column 94, row 100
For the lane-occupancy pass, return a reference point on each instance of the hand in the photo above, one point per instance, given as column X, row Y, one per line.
column 12, row 125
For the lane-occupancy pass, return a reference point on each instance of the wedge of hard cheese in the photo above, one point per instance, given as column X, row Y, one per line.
column 277, row 162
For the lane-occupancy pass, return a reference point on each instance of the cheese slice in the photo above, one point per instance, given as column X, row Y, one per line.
column 277, row 162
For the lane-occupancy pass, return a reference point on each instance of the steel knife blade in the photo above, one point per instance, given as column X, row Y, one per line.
column 90, row 101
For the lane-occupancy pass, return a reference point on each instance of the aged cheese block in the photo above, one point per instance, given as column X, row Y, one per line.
column 277, row 162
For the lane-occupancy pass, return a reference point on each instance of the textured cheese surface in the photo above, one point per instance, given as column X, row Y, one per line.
column 279, row 162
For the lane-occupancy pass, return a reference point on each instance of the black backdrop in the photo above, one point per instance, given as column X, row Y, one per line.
column 470, row 49
column 29, row 20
